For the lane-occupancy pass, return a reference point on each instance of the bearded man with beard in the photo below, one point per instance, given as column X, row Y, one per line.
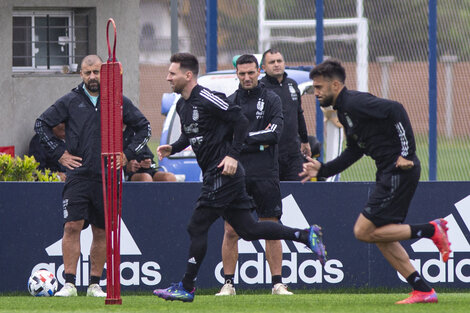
column 381, row 129
column 83, row 193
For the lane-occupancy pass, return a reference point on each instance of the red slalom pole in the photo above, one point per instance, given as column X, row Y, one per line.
column 111, row 169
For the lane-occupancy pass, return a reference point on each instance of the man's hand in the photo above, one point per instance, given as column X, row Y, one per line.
column 164, row 151
column 229, row 164
column 404, row 164
column 62, row 176
column 305, row 149
column 146, row 163
column 70, row 161
column 310, row 169
column 121, row 161
column 133, row 166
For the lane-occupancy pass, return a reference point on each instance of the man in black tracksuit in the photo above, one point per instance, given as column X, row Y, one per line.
column 216, row 130
column 81, row 155
column 143, row 167
column 293, row 144
column 263, row 109
column 381, row 129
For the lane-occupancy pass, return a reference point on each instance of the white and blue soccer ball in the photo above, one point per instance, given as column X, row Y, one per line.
column 42, row 283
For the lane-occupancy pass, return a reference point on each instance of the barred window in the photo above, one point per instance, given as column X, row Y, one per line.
column 49, row 40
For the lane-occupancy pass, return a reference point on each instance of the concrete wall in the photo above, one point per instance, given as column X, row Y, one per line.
column 26, row 95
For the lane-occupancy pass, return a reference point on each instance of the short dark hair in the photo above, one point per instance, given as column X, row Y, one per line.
column 272, row 51
column 330, row 69
column 187, row 61
column 247, row 58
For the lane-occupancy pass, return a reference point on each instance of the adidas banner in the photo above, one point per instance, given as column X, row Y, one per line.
column 154, row 240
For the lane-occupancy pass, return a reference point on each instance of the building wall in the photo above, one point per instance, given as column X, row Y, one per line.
column 26, row 95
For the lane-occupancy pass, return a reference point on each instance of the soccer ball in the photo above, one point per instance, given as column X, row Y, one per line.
column 42, row 284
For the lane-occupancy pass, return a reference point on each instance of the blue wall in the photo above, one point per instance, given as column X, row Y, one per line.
column 155, row 241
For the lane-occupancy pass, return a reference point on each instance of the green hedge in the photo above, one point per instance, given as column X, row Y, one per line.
column 26, row 169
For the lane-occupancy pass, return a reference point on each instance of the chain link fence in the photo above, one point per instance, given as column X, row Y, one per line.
column 388, row 58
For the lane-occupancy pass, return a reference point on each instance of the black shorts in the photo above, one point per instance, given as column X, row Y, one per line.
column 83, row 200
column 225, row 192
column 151, row 171
column 290, row 165
column 267, row 196
column 390, row 200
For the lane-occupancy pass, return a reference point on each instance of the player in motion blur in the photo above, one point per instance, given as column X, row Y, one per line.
column 381, row 129
column 216, row 130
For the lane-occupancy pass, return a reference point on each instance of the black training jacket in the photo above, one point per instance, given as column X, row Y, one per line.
column 212, row 125
column 83, row 131
column 294, row 121
column 263, row 108
column 379, row 128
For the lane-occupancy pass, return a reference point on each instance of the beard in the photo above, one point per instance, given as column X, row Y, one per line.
column 177, row 89
column 93, row 85
column 327, row 101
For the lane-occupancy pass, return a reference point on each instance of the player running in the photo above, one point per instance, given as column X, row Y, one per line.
column 381, row 129
column 216, row 130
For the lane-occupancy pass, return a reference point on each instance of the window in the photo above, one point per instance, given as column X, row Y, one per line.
column 49, row 40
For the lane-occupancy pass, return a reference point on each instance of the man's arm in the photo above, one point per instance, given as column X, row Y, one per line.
column 302, row 126
column 55, row 114
column 269, row 135
column 134, row 119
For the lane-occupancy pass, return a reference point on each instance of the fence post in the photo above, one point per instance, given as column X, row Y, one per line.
column 449, row 61
column 385, row 62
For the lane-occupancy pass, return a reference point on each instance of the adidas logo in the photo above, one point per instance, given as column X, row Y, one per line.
column 301, row 263
column 192, row 260
column 456, row 269
column 455, row 233
column 128, row 247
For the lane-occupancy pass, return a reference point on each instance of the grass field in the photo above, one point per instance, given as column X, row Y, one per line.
column 453, row 163
column 251, row 303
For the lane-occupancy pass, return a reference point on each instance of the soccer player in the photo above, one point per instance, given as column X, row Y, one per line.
column 381, row 129
column 293, row 144
column 216, row 130
column 259, row 156
column 81, row 155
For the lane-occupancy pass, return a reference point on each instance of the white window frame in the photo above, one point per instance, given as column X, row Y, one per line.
column 71, row 40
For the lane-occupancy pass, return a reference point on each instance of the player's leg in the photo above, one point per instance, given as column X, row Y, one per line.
column 380, row 222
column 75, row 207
column 249, row 229
column 141, row 177
column 98, row 244
column 267, row 195
column 198, row 228
column 164, row 176
column 70, row 254
column 229, row 260
column 71, row 245
column 366, row 231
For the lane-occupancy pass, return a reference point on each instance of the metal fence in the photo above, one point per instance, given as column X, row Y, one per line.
column 383, row 45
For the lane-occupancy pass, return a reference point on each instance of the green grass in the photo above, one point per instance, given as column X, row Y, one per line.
column 453, row 161
column 251, row 303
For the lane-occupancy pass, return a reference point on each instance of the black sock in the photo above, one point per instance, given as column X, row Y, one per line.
column 188, row 284
column 94, row 280
column 422, row 230
column 70, row 278
column 229, row 279
column 276, row 279
column 417, row 283
column 302, row 235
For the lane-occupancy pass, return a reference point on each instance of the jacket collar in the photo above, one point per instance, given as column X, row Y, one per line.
column 340, row 98
column 273, row 80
